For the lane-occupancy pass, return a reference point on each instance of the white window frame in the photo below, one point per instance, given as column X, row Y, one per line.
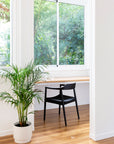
column 11, row 35
column 85, row 66
column 21, row 51
column 17, row 49
column 15, row 23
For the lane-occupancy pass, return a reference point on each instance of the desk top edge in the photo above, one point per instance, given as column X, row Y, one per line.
column 70, row 79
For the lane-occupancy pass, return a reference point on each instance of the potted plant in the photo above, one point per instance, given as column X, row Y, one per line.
column 22, row 84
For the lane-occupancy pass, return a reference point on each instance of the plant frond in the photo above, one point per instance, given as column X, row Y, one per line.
column 4, row 96
column 22, row 81
column 32, row 112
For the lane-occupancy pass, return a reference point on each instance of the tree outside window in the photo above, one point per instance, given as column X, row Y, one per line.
column 4, row 32
column 71, row 33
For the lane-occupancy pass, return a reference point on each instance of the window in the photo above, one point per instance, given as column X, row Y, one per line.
column 45, row 32
column 71, row 34
column 58, row 33
column 4, row 32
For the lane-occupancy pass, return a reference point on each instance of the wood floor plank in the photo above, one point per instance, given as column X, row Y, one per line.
column 53, row 130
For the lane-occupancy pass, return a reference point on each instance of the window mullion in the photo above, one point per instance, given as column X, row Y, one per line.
column 57, row 32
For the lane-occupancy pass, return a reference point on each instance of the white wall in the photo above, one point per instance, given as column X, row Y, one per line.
column 102, row 81
column 22, row 54
column 82, row 91
column 102, row 74
column 23, row 32
column 8, row 115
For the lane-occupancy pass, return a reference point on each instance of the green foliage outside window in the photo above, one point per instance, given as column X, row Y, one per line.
column 45, row 43
column 71, row 33
column 4, row 32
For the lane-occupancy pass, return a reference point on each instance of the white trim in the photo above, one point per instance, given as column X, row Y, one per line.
column 76, row 2
column 92, row 72
column 66, row 67
column 14, row 10
column 10, row 131
column 33, row 29
column 86, row 35
column 11, row 32
column 20, row 47
column 70, row 68
column 92, row 136
column 18, row 34
column 101, row 136
column 6, row 132
column 16, row 17
column 57, row 33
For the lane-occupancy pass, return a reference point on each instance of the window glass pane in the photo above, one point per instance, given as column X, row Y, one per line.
column 45, row 32
column 71, row 34
column 4, row 32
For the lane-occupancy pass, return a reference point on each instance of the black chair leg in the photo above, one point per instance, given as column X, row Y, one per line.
column 77, row 109
column 59, row 109
column 76, row 104
column 44, row 110
column 64, row 115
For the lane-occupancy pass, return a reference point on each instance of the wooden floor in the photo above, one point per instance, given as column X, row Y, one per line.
column 53, row 130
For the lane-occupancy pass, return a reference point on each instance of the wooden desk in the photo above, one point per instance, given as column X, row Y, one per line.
column 69, row 79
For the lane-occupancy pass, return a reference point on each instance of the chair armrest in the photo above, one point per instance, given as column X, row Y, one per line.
column 53, row 88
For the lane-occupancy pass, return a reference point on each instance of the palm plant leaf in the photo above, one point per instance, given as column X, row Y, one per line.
column 22, row 82
column 4, row 96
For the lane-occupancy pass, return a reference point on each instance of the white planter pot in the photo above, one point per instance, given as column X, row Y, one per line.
column 22, row 134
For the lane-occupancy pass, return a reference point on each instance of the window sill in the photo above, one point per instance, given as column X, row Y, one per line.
column 67, row 71
column 67, row 67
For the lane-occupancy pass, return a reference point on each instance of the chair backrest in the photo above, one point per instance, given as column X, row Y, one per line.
column 69, row 86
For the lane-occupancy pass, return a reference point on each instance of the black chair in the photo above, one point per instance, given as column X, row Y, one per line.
column 61, row 99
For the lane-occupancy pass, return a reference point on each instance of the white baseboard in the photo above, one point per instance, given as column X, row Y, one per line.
column 101, row 136
column 6, row 132
column 95, row 137
column 10, row 132
column 92, row 136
